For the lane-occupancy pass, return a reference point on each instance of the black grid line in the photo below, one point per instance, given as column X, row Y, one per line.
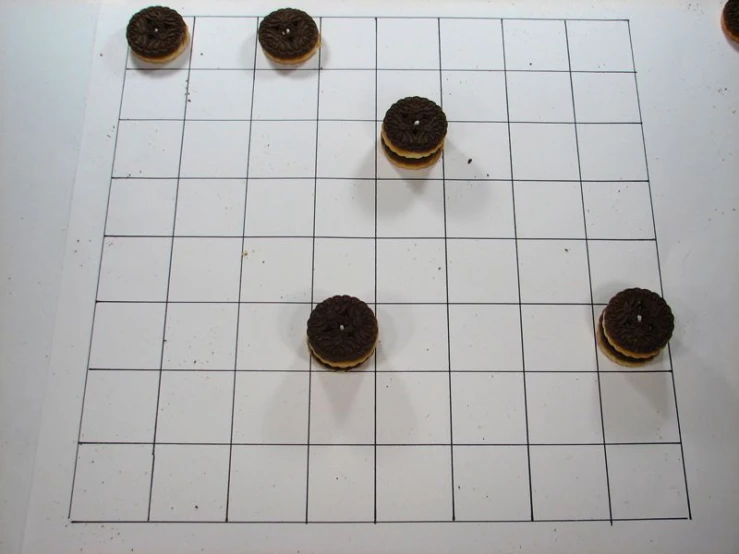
column 593, row 71
column 328, row 178
column 518, row 279
column 241, row 275
column 312, row 280
column 590, row 280
column 454, row 17
column 399, row 371
column 384, row 445
column 366, row 522
column 659, row 272
column 446, row 286
column 97, row 290
column 169, row 282
column 310, row 369
column 336, row 120
column 363, row 237
column 374, row 450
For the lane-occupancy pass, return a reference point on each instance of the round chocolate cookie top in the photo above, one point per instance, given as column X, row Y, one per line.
column 156, row 32
column 415, row 124
column 342, row 329
column 638, row 320
column 288, row 33
column 731, row 16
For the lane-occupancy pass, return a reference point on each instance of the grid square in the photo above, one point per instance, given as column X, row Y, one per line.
column 264, row 278
column 471, row 329
column 392, row 85
column 141, row 207
column 286, row 94
column 134, row 269
column 341, row 483
column 411, row 270
column 195, row 407
column 617, row 265
column 148, row 149
column 272, row 336
column 344, row 266
column 348, row 94
column 119, row 406
column 268, row 483
column 601, row 97
column 544, row 152
column 481, row 209
column 471, row 44
column 569, row 482
column 345, row 208
column 205, row 270
column 600, row 45
column 413, row 338
column 535, row 45
column 540, row 97
column 283, row 149
column 647, row 481
column 407, row 44
column 639, row 407
column 220, row 95
column 553, row 271
column 154, row 94
column 204, row 469
column 474, row 95
column 345, row 149
column 210, row 207
column 271, row 407
column 214, row 149
column 224, row 43
column 488, row 408
column 410, row 208
column 414, row 483
column 549, row 210
column 291, row 198
column 558, row 338
column 127, row 336
column 112, row 482
column 482, row 270
column 612, row 152
column 618, row 210
column 200, row 336
column 412, row 408
column 342, row 408
column 486, row 144
column 350, row 43
column 563, row 408
column 492, row 483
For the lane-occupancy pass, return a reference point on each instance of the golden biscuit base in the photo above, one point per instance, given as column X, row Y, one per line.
column 169, row 57
column 295, row 61
column 410, row 165
column 408, row 153
column 343, row 366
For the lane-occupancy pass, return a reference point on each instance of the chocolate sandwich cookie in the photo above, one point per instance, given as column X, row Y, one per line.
column 635, row 326
column 157, row 34
column 342, row 332
column 413, row 132
column 289, row 36
column 730, row 19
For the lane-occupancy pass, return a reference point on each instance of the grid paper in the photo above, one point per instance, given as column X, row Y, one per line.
column 242, row 194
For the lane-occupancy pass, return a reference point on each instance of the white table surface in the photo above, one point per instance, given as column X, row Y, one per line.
column 689, row 78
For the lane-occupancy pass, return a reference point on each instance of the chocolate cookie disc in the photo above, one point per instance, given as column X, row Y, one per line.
column 638, row 323
column 289, row 36
column 342, row 332
column 414, row 125
column 730, row 19
column 157, row 34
